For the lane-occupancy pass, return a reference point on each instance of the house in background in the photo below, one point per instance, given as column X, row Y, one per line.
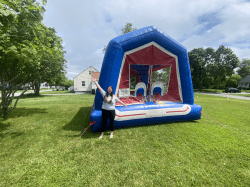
column 44, row 85
column 245, row 82
column 83, row 83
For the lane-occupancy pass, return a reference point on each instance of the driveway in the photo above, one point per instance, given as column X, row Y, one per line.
column 228, row 95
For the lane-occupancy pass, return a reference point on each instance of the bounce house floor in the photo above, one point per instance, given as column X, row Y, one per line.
column 149, row 112
column 152, row 110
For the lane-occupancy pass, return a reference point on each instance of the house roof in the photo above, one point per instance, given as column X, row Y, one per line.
column 86, row 70
column 245, row 79
column 96, row 75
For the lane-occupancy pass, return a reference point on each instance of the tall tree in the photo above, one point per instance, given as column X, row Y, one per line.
column 27, row 52
column 209, row 68
column 197, row 60
column 244, row 68
column 225, row 63
column 54, row 57
column 128, row 28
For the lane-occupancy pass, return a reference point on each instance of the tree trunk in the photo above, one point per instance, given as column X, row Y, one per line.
column 4, row 105
column 3, row 109
column 37, row 88
column 200, row 81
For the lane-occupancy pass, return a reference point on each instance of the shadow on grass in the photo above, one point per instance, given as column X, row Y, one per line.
column 24, row 112
column 32, row 95
column 156, row 124
column 4, row 126
column 82, row 118
column 81, row 121
column 5, row 130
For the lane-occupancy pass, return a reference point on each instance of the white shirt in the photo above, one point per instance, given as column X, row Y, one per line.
column 109, row 106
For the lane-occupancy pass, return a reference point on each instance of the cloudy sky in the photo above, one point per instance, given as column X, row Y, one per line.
column 86, row 26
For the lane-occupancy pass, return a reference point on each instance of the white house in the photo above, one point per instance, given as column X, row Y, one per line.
column 245, row 82
column 83, row 83
column 44, row 85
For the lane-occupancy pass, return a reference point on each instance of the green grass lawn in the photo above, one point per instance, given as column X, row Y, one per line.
column 57, row 92
column 245, row 95
column 35, row 141
column 210, row 90
column 42, row 89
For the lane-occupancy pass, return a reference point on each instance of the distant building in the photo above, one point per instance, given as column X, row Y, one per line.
column 7, row 86
column 44, row 85
column 245, row 82
column 71, row 88
column 83, row 83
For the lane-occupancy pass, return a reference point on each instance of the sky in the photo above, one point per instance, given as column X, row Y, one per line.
column 87, row 26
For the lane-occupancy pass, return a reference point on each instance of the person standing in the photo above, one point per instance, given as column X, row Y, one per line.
column 108, row 108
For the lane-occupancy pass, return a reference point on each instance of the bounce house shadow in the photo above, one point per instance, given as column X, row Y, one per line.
column 136, row 126
column 155, row 124
column 79, row 122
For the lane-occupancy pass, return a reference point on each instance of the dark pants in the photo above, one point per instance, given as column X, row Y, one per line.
column 107, row 114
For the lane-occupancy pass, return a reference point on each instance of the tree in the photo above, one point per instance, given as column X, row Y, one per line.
column 55, row 58
column 27, row 49
column 67, row 83
column 225, row 63
column 197, row 60
column 233, row 81
column 244, row 68
column 209, row 68
column 128, row 28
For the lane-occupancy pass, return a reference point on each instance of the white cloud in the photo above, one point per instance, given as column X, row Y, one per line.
column 99, row 52
column 241, row 52
column 71, row 75
column 86, row 26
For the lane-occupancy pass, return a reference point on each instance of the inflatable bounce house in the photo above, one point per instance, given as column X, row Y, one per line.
column 138, row 54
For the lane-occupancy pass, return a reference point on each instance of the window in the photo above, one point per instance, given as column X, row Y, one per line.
column 83, row 83
column 90, row 72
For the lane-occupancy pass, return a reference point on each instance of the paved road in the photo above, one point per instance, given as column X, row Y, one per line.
column 228, row 95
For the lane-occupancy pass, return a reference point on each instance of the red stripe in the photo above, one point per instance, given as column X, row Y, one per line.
column 131, row 115
column 178, row 111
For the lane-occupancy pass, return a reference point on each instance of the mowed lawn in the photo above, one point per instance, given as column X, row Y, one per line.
column 212, row 151
column 245, row 95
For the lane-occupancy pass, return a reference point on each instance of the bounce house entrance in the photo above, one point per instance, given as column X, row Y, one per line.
column 149, row 83
column 149, row 74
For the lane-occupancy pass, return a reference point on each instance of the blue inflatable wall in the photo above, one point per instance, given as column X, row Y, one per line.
column 149, row 113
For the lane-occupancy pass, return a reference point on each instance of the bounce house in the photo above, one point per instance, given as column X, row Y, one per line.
column 138, row 54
